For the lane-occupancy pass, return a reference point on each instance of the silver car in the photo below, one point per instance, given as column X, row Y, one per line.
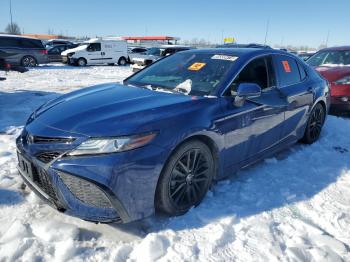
column 28, row 52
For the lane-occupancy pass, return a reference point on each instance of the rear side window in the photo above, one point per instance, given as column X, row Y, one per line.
column 9, row 42
column 31, row 43
column 287, row 70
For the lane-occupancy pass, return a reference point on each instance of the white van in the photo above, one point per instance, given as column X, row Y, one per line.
column 97, row 51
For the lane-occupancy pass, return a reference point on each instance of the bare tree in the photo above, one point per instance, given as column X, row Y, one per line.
column 13, row 29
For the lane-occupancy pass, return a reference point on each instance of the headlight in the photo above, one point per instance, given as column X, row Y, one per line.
column 70, row 54
column 95, row 146
column 343, row 81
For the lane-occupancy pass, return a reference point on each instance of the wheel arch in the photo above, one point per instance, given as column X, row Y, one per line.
column 205, row 139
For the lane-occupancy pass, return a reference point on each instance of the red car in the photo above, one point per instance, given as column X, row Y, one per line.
column 334, row 65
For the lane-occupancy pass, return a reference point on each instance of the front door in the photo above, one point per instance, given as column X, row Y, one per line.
column 257, row 125
column 94, row 54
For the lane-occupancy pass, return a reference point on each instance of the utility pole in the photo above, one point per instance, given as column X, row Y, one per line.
column 11, row 13
column 267, row 30
column 327, row 38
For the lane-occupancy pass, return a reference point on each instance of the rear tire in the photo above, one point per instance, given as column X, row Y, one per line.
column 28, row 61
column 185, row 179
column 122, row 61
column 81, row 62
column 314, row 124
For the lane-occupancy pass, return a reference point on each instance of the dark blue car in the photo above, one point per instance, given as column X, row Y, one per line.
column 120, row 152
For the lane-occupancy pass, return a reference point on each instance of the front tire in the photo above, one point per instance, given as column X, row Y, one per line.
column 185, row 179
column 28, row 61
column 314, row 124
column 81, row 62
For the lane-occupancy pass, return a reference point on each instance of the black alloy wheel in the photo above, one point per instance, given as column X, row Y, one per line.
column 28, row 61
column 186, row 178
column 315, row 124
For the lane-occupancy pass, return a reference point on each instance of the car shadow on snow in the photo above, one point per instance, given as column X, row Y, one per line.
column 9, row 197
column 56, row 66
column 15, row 107
column 293, row 175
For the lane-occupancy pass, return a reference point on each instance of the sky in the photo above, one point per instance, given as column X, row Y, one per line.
column 289, row 22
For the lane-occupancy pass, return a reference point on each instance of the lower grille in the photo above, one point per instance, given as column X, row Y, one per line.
column 42, row 179
column 85, row 191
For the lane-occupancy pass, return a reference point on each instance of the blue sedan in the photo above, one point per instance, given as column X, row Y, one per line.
column 120, row 152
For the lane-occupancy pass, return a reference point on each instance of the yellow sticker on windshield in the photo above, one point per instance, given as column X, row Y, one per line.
column 196, row 66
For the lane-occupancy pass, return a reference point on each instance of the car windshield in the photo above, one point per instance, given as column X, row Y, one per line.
column 153, row 51
column 189, row 73
column 330, row 58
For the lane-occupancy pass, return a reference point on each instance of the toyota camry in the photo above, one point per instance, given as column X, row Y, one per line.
column 157, row 141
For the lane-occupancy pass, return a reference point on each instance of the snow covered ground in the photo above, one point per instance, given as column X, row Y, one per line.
column 295, row 207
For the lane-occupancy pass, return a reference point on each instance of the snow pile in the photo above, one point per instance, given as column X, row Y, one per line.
column 294, row 207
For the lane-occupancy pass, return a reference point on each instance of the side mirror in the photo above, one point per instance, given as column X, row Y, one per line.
column 246, row 90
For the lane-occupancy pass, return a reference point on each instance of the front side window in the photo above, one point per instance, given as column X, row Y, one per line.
column 94, row 47
column 190, row 73
column 330, row 58
column 287, row 70
column 259, row 71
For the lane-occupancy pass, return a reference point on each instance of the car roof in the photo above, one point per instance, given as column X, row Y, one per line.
column 238, row 51
column 337, row 48
column 175, row 46
column 18, row 36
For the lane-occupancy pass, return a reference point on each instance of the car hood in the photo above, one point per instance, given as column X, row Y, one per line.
column 78, row 48
column 113, row 110
column 333, row 73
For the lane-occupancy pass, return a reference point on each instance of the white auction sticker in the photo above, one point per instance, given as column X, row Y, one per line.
column 225, row 57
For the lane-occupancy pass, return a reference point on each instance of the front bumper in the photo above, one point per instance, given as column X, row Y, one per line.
column 128, row 180
column 339, row 106
column 136, row 67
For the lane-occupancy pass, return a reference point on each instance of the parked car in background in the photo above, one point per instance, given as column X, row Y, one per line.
column 120, row 152
column 54, row 53
column 5, row 66
column 235, row 45
column 135, row 50
column 334, row 65
column 306, row 55
column 152, row 54
column 96, row 52
column 51, row 43
column 29, row 52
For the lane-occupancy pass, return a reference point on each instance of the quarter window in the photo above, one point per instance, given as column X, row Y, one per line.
column 287, row 70
column 302, row 72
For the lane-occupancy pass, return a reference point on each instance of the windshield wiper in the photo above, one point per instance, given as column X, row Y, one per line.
column 157, row 88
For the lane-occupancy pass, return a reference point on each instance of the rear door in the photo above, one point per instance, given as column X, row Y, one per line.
column 295, row 86
column 107, row 52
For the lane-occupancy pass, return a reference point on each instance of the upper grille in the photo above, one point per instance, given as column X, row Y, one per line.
column 42, row 139
column 85, row 191
column 48, row 156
